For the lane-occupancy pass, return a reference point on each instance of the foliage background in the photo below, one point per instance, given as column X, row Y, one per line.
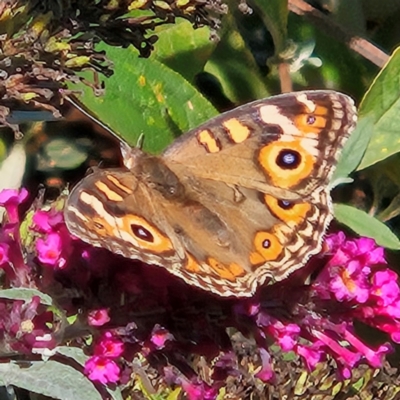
column 109, row 59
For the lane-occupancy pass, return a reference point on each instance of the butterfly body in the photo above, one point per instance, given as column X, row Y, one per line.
column 238, row 201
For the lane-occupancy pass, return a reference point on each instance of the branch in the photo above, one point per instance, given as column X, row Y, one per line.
column 356, row 43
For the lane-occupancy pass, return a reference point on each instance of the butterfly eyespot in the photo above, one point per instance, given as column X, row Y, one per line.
column 266, row 244
column 285, row 205
column 142, row 233
column 267, row 248
column 311, row 119
column 292, row 213
column 288, row 159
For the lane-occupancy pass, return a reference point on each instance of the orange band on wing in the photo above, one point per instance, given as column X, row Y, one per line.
column 191, row 264
column 118, row 184
column 109, row 193
column 230, row 272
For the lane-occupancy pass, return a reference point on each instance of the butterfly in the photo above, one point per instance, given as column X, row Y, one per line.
column 241, row 201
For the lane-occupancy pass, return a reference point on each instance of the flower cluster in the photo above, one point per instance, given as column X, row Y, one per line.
column 354, row 285
column 101, row 366
column 147, row 324
column 11, row 258
column 25, row 325
column 54, row 245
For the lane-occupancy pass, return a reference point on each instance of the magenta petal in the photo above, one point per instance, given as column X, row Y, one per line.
column 4, row 251
column 266, row 373
column 193, row 392
column 160, row 337
column 49, row 249
column 311, row 355
column 102, row 369
column 47, row 221
column 334, row 241
column 344, row 372
column 41, row 220
column 7, row 195
column 395, row 336
column 14, row 196
column 377, row 256
column 98, row 317
column 365, row 245
column 109, row 346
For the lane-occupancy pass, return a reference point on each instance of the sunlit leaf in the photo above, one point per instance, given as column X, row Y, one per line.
column 233, row 64
column 382, row 104
column 354, row 149
column 365, row 225
column 146, row 97
column 184, row 49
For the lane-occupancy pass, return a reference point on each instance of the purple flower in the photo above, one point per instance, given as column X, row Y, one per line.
column 46, row 221
column 286, row 335
column 4, row 249
column 98, row 317
column 49, row 250
column 374, row 357
column 160, row 336
column 311, row 354
column 266, row 373
column 385, row 287
column 10, row 199
column 194, row 389
column 109, row 346
column 349, row 282
column 102, row 369
column 342, row 354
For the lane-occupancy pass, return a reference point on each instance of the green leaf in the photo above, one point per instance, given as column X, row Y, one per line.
column 382, row 104
column 49, row 378
column 365, row 225
column 146, row 97
column 3, row 145
column 75, row 353
column 275, row 14
column 80, row 357
column 233, row 64
column 354, row 149
column 25, row 294
column 183, row 49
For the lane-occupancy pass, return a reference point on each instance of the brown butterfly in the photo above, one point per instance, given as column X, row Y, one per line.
column 239, row 200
